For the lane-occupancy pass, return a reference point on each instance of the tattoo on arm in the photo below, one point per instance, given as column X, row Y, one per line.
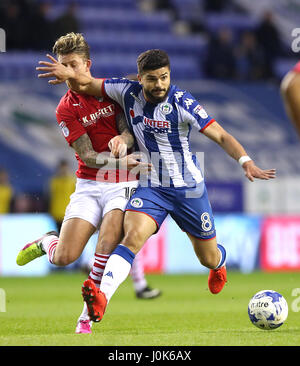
column 84, row 148
column 123, row 129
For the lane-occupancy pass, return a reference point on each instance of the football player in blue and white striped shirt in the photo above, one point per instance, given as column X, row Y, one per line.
column 160, row 116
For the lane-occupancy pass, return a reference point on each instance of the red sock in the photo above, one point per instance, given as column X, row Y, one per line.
column 98, row 268
column 49, row 244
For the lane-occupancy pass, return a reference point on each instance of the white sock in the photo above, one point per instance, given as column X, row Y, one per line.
column 116, row 271
column 137, row 274
column 84, row 315
column 49, row 244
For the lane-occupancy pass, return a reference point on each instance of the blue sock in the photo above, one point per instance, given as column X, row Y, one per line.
column 125, row 253
column 116, row 270
column 223, row 255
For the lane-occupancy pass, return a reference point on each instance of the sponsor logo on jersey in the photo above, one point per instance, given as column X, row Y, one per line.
column 94, row 117
column 200, row 111
column 154, row 126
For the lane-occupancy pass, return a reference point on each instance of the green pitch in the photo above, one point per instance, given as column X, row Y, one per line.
column 43, row 312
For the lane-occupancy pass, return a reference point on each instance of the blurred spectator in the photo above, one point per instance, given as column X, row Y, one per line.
column 6, row 192
column 269, row 39
column 22, row 203
column 250, row 58
column 13, row 22
column 41, row 27
column 62, row 185
column 216, row 6
column 28, row 23
column 158, row 5
column 220, row 62
column 67, row 22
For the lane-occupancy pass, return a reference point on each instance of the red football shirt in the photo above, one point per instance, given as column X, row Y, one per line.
column 78, row 114
column 297, row 67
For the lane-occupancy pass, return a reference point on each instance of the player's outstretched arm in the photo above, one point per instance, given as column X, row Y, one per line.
column 234, row 149
column 290, row 91
column 78, row 82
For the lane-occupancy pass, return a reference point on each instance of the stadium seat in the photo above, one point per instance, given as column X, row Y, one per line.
column 135, row 43
column 119, row 20
column 236, row 22
column 123, row 4
column 121, row 65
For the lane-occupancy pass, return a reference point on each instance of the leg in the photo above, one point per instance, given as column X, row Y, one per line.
column 110, row 234
column 111, row 231
column 61, row 249
column 73, row 237
column 142, row 290
column 213, row 256
column 139, row 224
column 108, row 239
column 107, row 242
column 138, row 227
column 206, row 250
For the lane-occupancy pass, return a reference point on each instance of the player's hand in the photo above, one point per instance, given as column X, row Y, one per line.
column 118, row 147
column 252, row 171
column 132, row 161
column 55, row 69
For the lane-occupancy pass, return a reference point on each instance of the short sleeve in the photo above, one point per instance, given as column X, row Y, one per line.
column 115, row 89
column 69, row 124
column 193, row 112
column 201, row 119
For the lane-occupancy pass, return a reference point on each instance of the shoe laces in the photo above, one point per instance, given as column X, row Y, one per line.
column 220, row 275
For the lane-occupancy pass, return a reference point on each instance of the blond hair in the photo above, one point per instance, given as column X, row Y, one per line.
column 72, row 43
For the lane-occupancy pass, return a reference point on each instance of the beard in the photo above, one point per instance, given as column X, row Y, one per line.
column 152, row 98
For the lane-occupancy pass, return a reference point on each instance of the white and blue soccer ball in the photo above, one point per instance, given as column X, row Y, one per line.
column 267, row 309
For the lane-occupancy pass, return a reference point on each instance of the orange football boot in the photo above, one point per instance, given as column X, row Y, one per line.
column 95, row 300
column 217, row 279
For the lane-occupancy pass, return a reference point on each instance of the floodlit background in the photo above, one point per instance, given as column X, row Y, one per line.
column 230, row 54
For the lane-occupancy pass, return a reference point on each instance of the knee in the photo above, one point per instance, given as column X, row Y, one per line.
column 63, row 258
column 133, row 240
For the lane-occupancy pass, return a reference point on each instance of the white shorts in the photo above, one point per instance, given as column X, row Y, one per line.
column 92, row 199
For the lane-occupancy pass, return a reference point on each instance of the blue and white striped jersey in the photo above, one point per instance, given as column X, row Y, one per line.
column 162, row 130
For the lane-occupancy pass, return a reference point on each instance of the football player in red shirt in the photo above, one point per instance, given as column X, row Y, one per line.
column 290, row 91
column 91, row 126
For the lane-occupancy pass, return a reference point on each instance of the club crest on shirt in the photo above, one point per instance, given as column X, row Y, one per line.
column 166, row 108
column 136, row 203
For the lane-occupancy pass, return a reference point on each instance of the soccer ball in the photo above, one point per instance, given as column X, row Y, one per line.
column 267, row 309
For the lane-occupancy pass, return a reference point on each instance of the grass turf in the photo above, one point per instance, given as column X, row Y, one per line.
column 43, row 312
